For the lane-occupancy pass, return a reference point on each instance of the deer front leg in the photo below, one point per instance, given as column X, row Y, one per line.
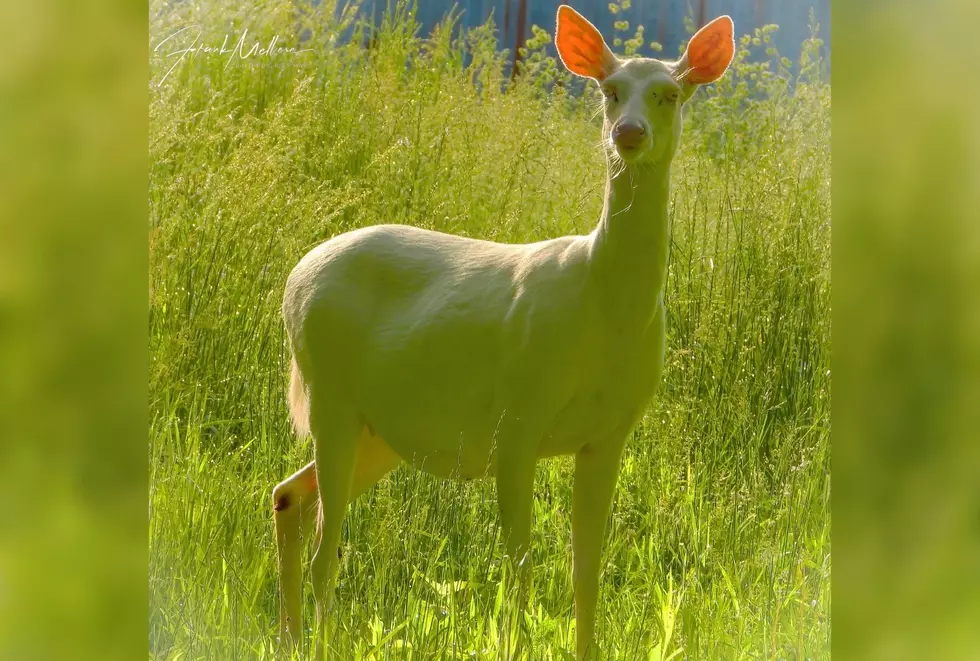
column 515, row 484
column 596, row 469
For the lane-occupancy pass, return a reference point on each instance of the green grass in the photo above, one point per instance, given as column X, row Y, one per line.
column 719, row 545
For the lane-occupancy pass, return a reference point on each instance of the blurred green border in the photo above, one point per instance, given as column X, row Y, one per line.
column 73, row 274
column 906, row 331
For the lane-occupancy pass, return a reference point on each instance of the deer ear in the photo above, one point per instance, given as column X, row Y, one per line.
column 709, row 53
column 581, row 47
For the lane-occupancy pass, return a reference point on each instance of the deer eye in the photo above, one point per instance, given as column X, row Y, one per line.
column 669, row 96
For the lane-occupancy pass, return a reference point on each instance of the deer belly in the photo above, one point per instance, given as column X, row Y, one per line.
column 466, row 459
column 449, row 442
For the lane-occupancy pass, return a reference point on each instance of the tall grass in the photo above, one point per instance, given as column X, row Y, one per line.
column 719, row 545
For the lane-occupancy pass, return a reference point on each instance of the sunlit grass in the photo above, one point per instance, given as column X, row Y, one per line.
column 719, row 545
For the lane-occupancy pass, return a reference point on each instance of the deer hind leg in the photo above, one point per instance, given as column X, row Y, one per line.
column 349, row 459
column 294, row 505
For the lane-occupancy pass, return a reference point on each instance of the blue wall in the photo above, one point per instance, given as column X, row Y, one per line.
column 662, row 19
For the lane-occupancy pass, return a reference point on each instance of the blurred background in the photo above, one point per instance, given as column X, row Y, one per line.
column 669, row 23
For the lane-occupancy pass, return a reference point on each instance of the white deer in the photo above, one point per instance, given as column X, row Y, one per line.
column 468, row 358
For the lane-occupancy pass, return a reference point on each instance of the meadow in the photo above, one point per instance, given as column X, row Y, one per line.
column 719, row 540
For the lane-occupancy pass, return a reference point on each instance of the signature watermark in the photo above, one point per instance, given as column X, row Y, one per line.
column 187, row 41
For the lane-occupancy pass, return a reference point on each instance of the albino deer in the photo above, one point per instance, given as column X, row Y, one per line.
column 468, row 358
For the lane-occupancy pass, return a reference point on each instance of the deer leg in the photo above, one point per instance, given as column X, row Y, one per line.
column 596, row 469
column 335, row 436
column 515, row 484
column 294, row 506
column 295, row 502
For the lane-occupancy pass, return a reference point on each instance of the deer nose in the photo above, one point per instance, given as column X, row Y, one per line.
column 628, row 134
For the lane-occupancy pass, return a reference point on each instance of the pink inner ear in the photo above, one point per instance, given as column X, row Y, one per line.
column 711, row 51
column 580, row 45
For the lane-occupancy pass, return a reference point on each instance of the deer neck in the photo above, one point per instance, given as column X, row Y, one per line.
column 629, row 247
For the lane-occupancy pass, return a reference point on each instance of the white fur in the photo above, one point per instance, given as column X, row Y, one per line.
column 468, row 358
column 434, row 338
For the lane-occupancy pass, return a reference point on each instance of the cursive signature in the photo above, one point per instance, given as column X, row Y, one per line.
column 193, row 33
